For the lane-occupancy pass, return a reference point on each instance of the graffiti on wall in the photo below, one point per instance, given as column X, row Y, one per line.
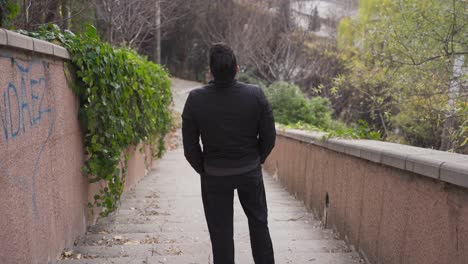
column 23, row 104
column 27, row 120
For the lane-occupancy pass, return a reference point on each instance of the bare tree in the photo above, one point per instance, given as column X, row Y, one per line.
column 264, row 38
column 134, row 22
column 33, row 13
column 264, row 35
column 36, row 13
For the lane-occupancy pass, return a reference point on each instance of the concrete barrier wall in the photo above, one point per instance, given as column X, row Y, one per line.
column 44, row 195
column 392, row 203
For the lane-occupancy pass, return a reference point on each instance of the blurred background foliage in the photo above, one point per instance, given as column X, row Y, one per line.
column 399, row 67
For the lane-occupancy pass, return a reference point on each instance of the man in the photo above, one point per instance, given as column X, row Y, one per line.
column 236, row 126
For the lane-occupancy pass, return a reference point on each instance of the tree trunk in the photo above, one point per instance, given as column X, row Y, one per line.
column 52, row 11
column 454, row 90
column 35, row 11
column 157, row 33
column 25, row 14
column 285, row 13
column 65, row 14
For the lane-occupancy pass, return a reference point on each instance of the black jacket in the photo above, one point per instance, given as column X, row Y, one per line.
column 236, row 126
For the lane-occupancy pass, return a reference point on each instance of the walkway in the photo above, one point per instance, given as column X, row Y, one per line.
column 161, row 221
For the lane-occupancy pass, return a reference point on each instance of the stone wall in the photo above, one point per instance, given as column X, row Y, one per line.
column 392, row 203
column 44, row 194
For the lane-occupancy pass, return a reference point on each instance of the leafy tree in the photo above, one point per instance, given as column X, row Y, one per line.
column 416, row 48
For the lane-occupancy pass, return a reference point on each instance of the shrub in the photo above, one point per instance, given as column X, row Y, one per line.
column 290, row 106
column 361, row 130
column 249, row 77
column 321, row 111
column 293, row 110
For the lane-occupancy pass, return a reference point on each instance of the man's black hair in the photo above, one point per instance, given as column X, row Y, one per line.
column 223, row 62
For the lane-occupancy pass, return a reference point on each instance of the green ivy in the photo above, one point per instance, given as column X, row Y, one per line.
column 124, row 100
column 359, row 131
column 338, row 129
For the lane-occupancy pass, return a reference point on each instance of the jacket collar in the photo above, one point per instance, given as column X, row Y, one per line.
column 223, row 84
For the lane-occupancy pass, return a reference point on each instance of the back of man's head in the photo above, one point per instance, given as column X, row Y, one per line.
column 223, row 62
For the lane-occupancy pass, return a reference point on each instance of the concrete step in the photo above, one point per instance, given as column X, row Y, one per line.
column 277, row 236
column 244, row 258
column 141, row 238
column 174, row 214
column 154, row 217
column 135, row 202
column 143, row 260
column 241, row 227
column 133, row 248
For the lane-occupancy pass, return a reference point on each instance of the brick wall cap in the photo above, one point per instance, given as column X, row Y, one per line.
column 440, row 165
column 15, row 40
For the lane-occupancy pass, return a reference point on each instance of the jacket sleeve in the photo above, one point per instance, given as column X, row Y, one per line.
column 267, row 130
column 191, row 137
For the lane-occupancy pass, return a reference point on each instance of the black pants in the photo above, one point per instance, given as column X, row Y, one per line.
column 218, row 196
